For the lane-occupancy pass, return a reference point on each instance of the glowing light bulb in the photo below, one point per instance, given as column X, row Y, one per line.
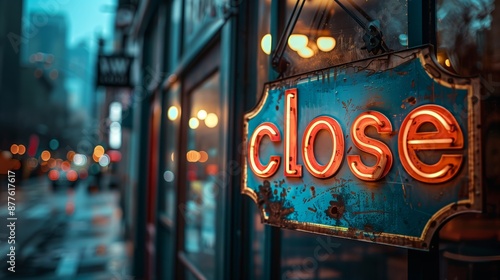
column 297, row 42
column 306, row 52
column 326, row 44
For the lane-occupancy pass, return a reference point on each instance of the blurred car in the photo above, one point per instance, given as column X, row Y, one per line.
column 63, row 178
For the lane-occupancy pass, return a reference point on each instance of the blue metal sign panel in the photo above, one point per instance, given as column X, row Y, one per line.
column 382, row 150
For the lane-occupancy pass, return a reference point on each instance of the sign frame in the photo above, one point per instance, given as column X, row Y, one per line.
column 271, row 205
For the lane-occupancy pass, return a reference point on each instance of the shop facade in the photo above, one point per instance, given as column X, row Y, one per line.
column 200, row 66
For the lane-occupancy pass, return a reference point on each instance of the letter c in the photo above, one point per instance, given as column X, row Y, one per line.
column 263, row 171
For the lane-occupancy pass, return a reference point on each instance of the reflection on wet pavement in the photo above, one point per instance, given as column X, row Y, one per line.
column 69, row 235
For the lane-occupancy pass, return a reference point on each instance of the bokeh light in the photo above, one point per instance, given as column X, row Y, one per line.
column 212, row 120
column 194, row 123
column 70, row 155
column 14, row 149
column 45, row 156
column 53, row 175
column 168, row 176
column 65, row 165
column 22, row 150
column 114, row 155
column 72, row 175
column 202, row 114
column 79, row 160
column 104, row 161
column 266, row 43
column 203, row 156
column 99, row 151
column 306, row 52
column 173, row 113
column 52, row 163
column 297, row 42
column 326, row 44
column 32, row 163
column 193, row 156
column 54, row 144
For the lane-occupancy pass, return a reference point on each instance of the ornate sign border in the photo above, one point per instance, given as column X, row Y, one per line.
column 473, row 203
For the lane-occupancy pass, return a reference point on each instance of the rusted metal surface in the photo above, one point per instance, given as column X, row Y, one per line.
column 396, row 209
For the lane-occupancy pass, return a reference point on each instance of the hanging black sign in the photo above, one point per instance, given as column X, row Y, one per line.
column 114, row 70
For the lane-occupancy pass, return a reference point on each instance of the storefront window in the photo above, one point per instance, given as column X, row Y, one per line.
column 257, row 246
column 199, row 15
column 171, row 157
column 204, row 163
column 265, row 45
column 174, row 34
column 468, row 45
column 467, row 38
column 326, row 35
column 256, row 227
column 311, row 256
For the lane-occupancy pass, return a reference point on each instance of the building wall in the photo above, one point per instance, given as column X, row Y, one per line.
column 11, row 41
column 207, row 39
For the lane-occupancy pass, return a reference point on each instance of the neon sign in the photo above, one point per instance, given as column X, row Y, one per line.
column 448, row 136
column 374, row 150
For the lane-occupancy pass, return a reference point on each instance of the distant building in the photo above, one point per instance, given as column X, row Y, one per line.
column 79, row 77
column 33, row 60
column 47, row 48
column 10, row 34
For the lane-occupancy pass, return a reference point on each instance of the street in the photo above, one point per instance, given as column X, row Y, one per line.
column 63, row 234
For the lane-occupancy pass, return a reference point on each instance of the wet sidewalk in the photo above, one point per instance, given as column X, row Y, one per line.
column 66, row 234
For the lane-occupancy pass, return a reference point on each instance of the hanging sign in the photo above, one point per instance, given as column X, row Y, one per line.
column 114, row 70
column 382, row 150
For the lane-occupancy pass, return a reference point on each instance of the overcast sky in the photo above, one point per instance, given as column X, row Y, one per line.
column 86, row 18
